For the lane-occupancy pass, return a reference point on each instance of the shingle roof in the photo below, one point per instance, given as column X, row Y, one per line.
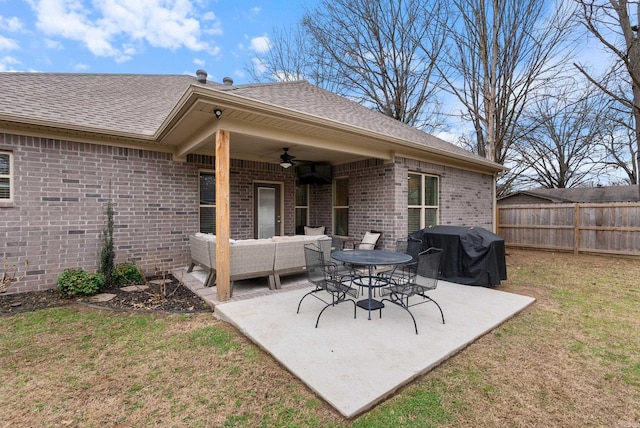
column 304, row 97
column 585, row 194
column 121, row 103
column 137, row 105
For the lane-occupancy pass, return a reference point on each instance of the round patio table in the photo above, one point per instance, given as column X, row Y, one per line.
column 370, row 259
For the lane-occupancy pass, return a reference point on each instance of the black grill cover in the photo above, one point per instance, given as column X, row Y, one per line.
column 472, row 255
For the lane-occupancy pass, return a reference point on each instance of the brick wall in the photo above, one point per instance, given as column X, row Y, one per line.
column 466, row 198
column 371, row 199
column 320, row 206
column 61, row 191
column 378, row 197
column 243, row 174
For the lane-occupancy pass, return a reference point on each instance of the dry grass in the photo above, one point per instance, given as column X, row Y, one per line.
column 570, row 360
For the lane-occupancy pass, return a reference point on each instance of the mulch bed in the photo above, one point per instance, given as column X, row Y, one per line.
column 173, row 297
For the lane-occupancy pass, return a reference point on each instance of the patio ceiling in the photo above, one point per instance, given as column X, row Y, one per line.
column 260, row 135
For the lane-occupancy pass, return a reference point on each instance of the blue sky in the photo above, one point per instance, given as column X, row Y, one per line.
column 140, row 36
column 143, row 36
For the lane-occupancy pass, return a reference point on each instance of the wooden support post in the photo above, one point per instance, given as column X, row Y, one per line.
column 223, row 227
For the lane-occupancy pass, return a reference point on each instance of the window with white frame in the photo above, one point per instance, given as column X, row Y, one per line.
column 341, row 206
column 423, row 201
column 302, row 207
column 207, row 202
column 6, row 178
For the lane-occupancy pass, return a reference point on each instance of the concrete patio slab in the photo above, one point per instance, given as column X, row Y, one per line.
column 354, row 364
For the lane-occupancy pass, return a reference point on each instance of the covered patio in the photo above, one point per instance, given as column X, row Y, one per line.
column 249, row 135
column 179, row 155
column 354, row 364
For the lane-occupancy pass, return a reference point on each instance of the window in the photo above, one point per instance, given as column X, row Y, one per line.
column 423, row 201
column 341, row 206
column 302, row 208
column 6, row 169
column 207, row 202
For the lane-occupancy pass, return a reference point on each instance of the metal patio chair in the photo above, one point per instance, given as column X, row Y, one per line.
column 326, row 279
column 406, row 272
column 425, row 279
column 328, row 245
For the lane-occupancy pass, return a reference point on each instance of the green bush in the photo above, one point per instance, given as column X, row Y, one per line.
column 127, row 273
column 78, row 282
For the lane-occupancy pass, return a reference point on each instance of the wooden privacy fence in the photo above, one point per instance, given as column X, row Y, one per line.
column 607, row 228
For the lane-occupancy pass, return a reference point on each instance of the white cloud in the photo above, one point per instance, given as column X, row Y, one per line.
column 7, row 44
column 260, row 44
column 254, row 11
column 199, row 62
column 81, row 67
column 10, row 24
column 258, row 65
column 215, row 27
column 53, row 44
column 7, row 63
column 121, row 28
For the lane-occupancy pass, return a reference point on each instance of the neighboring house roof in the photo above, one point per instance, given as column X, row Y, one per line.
column 172, row 109
column 572, row 195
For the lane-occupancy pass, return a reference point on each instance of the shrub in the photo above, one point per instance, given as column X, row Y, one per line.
column 10, row 275
column 77, row 282
column 127, row 273
column 107, row 254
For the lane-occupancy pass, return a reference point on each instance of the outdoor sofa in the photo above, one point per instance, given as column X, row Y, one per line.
column 253, row 258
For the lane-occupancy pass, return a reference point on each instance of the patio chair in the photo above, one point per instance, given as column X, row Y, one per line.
column 325, row 277
column 329, row 244
column 369, row 240
column 337, row 244
column 406, row 272
column 425, row 279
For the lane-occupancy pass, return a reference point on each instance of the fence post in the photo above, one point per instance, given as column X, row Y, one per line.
column 576, row 228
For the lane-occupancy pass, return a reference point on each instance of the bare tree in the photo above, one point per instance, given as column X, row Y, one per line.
column 615, row 24
column 285, row 60
column 505, row 51
column 560, row 146
column 618, row 140
column 379, row 53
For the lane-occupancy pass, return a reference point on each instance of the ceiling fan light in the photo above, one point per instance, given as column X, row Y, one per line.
column 286, row 160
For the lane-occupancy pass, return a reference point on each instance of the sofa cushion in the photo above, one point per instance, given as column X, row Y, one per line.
column 297, row 238
column 240, row 242
column 369, row 241
column 206, row 236
column 314, row 230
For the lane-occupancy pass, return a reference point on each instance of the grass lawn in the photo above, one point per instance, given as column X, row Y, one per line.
column 572, row 359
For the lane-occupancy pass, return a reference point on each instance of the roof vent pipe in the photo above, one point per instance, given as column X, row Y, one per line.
column 202, row 76
column 227, row 81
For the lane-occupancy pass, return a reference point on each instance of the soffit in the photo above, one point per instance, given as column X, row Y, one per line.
column 261, row 134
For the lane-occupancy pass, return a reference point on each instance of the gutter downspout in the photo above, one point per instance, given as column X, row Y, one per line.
column 494, row 198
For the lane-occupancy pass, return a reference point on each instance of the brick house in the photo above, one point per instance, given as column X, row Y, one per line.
column 179, row 154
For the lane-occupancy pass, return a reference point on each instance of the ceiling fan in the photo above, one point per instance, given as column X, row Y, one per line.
column 286, row 160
